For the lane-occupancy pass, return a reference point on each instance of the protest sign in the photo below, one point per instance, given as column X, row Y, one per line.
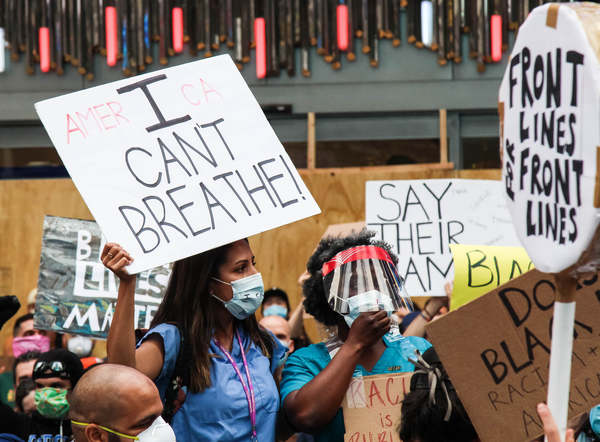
column 421, row 218
column 479, row 269
column 176, row 162
column 496, row 351
column 372, row 407
column 549, row 105
column 76, row 293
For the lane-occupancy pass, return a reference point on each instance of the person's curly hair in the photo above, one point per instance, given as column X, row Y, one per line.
column 315, row 302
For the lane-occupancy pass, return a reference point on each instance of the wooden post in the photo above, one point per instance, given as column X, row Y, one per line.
column 443, row 136
column 311, row 144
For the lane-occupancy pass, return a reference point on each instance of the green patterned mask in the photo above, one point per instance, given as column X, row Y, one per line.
column 51, row 402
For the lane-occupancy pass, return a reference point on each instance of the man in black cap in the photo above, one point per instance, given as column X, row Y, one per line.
column 55, row 373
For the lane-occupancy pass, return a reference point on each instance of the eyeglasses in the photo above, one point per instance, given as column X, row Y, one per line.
column 85, row 424
column 57, row 368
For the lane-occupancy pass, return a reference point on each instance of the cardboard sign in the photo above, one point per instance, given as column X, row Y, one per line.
column 479, row 269
column 549, row 105
column 496, row 351
column 421, row 218
column 176, row 162
column 372, row 407
column 76, row 293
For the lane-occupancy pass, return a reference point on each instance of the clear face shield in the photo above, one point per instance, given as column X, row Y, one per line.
column 362, row 279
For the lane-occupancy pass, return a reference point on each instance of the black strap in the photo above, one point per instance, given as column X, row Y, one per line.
column 175, row 396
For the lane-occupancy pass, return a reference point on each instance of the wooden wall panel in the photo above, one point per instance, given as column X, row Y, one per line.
column 281, row 253
column 23, row 204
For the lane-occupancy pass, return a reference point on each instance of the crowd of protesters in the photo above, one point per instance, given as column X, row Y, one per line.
column 208, row 370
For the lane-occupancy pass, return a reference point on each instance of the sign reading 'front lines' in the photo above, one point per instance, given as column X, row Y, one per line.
column 176, row 162
column 549, row 107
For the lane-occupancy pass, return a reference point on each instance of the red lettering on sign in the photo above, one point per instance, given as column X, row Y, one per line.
column 72, row 127
column 116, row 113
column 195, row 96
column 389, row 382
column 374, row 392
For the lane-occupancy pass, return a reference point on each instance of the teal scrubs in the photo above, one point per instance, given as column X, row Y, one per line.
column 305, row 364
column 220, row 413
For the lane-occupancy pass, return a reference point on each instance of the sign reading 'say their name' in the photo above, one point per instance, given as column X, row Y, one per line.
column 421, row 218
column 176, row 162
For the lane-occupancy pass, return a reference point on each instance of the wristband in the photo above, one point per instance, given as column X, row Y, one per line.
column 425, row 315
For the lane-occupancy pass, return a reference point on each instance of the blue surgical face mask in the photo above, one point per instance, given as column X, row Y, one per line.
column 248, row 295
column 276, row 310
column 371, row 301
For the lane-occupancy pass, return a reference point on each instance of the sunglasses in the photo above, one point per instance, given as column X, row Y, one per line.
column 56, row 368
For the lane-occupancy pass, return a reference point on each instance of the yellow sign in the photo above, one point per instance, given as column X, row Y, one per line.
column 480, row 269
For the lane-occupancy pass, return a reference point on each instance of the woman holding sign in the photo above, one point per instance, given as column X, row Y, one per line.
column 353, row 286
column 211, row 362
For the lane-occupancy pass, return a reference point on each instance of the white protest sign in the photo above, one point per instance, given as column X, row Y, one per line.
column 176, row 162
column 421, row 218
column 549, row 106
column 550, row 137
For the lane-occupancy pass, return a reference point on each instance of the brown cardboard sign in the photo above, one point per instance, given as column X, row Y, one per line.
column 372, row 407
column 496, row 350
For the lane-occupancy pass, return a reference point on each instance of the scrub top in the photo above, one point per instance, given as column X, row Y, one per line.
column 306, row 363
column 220, row 413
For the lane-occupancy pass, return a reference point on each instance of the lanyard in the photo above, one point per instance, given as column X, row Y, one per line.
column 248, row 389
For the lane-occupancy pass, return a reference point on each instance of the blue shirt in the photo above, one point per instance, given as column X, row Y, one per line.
column 305, row 364
column 220, row 413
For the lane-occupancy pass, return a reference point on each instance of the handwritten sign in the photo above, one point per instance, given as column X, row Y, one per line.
column 421, row 218
column 372, row 407
column 549, row 105
column 176, row 162
column 479, row 269
column 496, row 351
column 76, row 293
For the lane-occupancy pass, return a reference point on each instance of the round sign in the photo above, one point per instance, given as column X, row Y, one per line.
column 549, row 106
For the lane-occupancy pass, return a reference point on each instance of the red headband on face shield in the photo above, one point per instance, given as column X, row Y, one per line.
column 363, row 270
column 354, row 254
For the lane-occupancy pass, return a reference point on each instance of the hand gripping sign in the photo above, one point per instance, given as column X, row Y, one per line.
column 176, row 162
column 549, row 108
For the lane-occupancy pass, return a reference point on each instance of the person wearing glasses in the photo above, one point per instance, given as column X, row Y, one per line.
column 55, row 373
column 117, row 403
column 352, row 287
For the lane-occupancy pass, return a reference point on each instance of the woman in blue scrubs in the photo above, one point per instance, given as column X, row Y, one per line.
column 206, row 319
column 352, row 286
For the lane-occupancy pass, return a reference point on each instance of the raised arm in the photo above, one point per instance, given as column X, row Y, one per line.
column 417, row 326
column 308, row 409
column 296, row 321
column 149, row 357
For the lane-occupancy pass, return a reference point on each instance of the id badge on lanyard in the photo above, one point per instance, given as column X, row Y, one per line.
column 248, row 387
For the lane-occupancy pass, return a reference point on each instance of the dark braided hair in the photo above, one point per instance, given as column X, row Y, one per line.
column 315, row 302
column 424, row 421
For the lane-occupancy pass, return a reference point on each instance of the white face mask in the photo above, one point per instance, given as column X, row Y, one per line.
column 80, row 345
column 159, row 431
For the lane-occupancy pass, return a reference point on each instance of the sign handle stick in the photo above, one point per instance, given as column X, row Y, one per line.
column 561, row 352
